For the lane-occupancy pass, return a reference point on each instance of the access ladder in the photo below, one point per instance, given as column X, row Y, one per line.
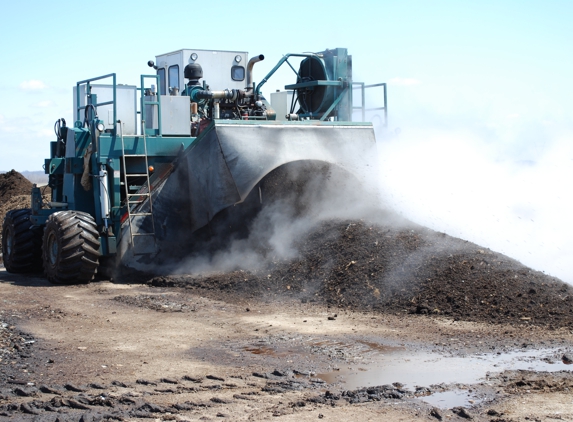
column 135, row 200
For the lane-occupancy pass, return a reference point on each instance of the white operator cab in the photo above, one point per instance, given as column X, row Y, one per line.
column 221, row 69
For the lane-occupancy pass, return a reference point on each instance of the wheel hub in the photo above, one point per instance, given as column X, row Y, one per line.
column 9, row 242
column 52, row 249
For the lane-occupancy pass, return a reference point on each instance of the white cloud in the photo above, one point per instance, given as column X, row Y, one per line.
column 33, row 85
column 44, row 104
column 404, row 81
column 8, row 126
column 24, row 142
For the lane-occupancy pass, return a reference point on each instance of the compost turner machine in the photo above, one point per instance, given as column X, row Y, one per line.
column 144, row 169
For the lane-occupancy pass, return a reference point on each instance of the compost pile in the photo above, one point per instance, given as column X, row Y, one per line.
column 13, row 184
column 14, row 192
column 407, row 269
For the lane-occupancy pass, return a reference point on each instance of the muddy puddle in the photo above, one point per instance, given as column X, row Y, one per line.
column 360, row 363
column 420, row 368
column 454, row 398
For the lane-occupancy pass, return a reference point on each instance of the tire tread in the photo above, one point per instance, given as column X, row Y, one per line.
column 26, row 253
column 78, row 250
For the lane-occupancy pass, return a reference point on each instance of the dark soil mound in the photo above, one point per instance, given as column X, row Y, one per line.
column 13, row 184
column 350, row 264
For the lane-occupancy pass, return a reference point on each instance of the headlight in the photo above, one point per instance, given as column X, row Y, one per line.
column 100, row 126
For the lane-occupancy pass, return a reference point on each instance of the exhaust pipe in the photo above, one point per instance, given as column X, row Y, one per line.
column 250, row 65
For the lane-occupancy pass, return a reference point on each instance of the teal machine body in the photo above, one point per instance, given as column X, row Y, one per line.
column 142, row 165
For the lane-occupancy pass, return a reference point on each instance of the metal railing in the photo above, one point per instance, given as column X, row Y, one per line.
column 144, row 102
column 88, row 93
column 362, row 108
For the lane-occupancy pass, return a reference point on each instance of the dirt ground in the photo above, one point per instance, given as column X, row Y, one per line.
column 368, row 322
column 133, row 352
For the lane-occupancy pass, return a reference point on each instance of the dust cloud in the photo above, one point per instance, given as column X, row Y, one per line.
column 510, row 197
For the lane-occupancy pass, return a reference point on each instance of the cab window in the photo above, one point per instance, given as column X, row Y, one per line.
column 238, row 73
column 161, row 74
column 174, row 76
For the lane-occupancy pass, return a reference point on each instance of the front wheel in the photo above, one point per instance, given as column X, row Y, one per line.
column 21, row 242
column 71, row 247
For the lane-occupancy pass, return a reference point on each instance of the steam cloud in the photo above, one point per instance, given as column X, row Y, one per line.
column 275, row 231
column 510, row 199
column 513, row 200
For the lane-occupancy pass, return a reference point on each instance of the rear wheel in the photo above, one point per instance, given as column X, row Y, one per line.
column 21, row 243
column 71, row 247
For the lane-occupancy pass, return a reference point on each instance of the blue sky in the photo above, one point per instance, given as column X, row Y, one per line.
column 491, row 80
column 482, row 64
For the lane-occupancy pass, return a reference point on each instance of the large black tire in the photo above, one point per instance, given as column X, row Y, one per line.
column 21, row 243
column 70, row 247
